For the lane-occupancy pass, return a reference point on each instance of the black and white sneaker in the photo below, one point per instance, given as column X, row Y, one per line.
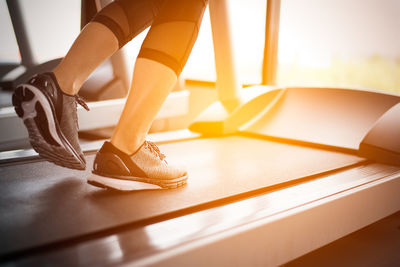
column 51, row 119
column 145, row 169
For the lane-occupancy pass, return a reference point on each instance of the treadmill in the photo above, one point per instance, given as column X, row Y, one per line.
column 274, row 174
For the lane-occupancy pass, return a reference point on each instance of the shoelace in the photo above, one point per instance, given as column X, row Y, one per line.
column 81, row 102
column 154, row 149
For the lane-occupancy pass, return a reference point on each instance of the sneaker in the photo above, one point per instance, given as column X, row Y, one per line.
column 51, row 119
column 145, row 169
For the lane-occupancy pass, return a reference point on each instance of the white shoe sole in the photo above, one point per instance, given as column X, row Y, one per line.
column 129, row 185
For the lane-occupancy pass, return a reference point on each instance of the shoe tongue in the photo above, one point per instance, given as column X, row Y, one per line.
column 153, row 148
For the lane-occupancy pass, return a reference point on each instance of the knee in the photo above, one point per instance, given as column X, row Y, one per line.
column 114, row 18
column 173, row 33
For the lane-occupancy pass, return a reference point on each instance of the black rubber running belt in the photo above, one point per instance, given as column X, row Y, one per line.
column 43, row 204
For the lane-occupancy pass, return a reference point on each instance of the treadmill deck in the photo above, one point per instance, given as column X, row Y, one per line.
column 43, row 204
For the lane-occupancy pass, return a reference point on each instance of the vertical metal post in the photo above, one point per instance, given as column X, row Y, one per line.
column 227, row 85
column 271, row 42
column 14, row 7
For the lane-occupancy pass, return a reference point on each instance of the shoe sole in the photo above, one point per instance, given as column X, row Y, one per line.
column 131, row 183
column 33, row 107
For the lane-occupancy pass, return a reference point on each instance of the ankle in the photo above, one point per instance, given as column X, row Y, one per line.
column 127, row 148
column 66, row 85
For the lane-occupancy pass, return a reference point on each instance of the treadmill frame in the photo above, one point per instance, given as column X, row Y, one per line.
column 269, row 229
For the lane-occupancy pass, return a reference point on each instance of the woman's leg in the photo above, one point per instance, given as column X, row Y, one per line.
column 151, row 84
column 111, row 28
column 47, row 101
column 129, row 162
column 162, row 57
column 94, row 44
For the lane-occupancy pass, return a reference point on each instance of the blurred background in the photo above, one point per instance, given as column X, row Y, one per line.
column 321, row 43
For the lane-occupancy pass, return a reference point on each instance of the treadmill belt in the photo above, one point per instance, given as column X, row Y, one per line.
column 42, row 203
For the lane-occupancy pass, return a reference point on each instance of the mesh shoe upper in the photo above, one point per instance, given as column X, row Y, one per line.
column 69, row 122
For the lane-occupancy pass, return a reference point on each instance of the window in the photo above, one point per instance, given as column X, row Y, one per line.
column 340, row 43
column 248, row 31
